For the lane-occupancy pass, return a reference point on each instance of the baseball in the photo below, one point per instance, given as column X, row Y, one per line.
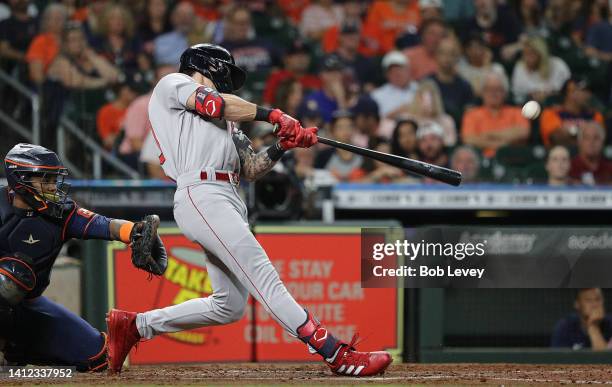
column 531, row 110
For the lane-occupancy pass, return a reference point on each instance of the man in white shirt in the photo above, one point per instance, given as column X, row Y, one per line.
column 399, row 89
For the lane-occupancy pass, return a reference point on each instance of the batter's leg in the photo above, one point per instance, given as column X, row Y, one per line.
column 218, row 226
column 225, row 305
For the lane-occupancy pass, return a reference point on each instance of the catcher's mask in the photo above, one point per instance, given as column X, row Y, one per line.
column 37, row 175
column 215, row 63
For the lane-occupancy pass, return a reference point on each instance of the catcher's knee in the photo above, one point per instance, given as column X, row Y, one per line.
column 97, row 362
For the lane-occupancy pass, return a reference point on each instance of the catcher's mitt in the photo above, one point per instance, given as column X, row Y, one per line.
column 148, row 251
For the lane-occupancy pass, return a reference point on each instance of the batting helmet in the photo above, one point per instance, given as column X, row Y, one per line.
column 37, row 175
column 215, row 63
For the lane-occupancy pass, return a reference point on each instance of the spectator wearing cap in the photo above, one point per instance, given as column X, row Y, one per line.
column 465, row 159
column 309, row 115
column 367, row 120
column 430, row 144
column 589, row 166
column 136, row 125
column 456, row 92
column 559, row 124
column 342, row 164
column 538, row 75
column 110, row 117
column 476, row 62
column 399, row 89
column 318, row 17
column 494, row 124
column 558, row 166
column 386, row 20
column 16, row 33
column 403, row 139
column 422, row 58
column 333, row 94
column 363, row 69
column 46, row 45
column 168, row 47
column 296, row 64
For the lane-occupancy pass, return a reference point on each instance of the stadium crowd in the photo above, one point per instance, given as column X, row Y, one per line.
column 438, row 80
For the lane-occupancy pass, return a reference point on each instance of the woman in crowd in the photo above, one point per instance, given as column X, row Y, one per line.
column 115, row 40
column 403, row 140
column 427, row 106
column 46, row 45
column 558, row 166
column 155, row 22
column 538, row 75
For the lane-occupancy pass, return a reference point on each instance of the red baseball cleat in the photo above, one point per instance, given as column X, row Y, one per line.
column 350, row 362
column 122, row 336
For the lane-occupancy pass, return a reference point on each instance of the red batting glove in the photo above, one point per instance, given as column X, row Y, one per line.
column 287, row 126
column 304, row 138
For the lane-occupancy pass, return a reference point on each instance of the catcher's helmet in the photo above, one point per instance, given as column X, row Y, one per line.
column 215, row 63
column 47, row 193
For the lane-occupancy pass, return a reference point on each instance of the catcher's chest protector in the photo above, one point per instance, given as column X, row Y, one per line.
column 28, row 233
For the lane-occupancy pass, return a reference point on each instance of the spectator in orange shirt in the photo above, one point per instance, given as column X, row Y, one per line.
column 423, row 57
column 110, row 116
column 45, row 46
column 588, row 166
column 559, row 124
column 494, row 124
column 386, row 20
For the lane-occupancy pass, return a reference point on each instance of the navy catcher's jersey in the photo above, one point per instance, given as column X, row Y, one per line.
column 41, row 237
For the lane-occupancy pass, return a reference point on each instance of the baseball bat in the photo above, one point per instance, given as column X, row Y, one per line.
column 442, row 174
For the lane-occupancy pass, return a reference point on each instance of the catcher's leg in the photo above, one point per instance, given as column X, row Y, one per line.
column 49, row 334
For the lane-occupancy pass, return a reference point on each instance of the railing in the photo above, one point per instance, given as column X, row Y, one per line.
column 66, row 127
column 32, row 133
column 99, row 154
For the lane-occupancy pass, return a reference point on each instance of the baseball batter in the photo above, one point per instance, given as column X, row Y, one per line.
column 206, row 159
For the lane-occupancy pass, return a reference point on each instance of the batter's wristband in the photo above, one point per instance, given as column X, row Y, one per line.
column 275, row 152
column 125, row 231
column 262, row 114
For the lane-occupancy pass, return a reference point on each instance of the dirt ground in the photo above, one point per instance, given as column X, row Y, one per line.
column 302, row 374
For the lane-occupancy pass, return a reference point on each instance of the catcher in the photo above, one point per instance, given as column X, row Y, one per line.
column 36, row 217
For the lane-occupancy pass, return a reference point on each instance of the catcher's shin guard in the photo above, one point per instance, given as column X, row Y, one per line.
column 122, row 337
column 342, row 358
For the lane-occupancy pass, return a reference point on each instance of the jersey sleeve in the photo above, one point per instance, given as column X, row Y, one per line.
column 84, row 224
column 176, row 89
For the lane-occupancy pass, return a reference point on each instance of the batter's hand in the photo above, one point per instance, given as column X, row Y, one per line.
column 286, row 126
column 304, row 138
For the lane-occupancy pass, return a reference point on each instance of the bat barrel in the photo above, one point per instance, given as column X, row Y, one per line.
column 442, row 174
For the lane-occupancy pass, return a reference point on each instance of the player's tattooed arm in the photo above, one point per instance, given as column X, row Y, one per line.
column 254, row 165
